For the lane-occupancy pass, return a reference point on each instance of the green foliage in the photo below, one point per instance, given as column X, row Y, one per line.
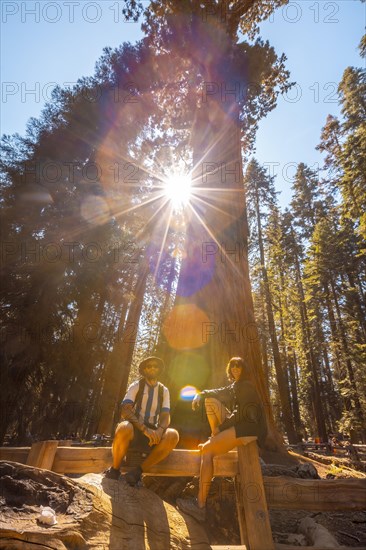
column 345, row 143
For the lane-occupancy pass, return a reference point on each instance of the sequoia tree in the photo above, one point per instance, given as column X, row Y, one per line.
column 225, row 86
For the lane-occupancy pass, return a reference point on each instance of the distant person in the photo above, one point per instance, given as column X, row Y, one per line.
column 146, row 417
column 247, row 418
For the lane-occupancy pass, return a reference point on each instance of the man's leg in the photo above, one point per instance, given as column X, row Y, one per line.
column 215, row 411
column 122, row 439
column 168, row 442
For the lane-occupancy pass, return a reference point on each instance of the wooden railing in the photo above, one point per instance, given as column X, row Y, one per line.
column 253, row 492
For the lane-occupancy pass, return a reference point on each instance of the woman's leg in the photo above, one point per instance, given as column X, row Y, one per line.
column 217, row 445
column 216, row 412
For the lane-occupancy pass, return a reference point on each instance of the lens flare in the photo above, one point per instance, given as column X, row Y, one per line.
column 184, row 327
column 187, row 393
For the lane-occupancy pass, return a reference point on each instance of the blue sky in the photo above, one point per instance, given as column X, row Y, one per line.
column 45, row 42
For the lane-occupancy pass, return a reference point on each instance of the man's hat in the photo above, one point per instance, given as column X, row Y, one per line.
column 151, row 358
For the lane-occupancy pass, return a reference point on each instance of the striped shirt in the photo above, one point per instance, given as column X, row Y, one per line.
column 149, row 403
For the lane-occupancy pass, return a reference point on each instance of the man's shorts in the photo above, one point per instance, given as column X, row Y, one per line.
column 140, row 442
column 138, row 449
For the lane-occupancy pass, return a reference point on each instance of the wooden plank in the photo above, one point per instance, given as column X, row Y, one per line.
column 258, row 527
column 316, row 495
column 82, row 460
column 42, row 454
column 240, row 512
column 15, row 454
column 180, row 462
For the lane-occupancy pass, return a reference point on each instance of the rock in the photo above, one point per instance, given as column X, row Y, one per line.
column 307, row 471
column 304, row 471
column 316, row 534
column 273, row 470
column 292, row 539
column 92, row 513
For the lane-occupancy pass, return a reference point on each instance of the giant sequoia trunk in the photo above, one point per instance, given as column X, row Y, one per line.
column 213, row 317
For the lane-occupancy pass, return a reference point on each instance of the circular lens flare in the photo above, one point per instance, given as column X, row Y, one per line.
column 177, row 188
column 187, row 393
column 184, row 327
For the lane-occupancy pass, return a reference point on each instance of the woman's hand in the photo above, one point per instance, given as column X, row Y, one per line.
column 196, row 401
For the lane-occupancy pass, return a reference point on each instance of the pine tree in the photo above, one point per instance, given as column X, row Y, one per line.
column 260, row 195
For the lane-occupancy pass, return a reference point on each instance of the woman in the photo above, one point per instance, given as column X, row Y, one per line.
column 247, row 418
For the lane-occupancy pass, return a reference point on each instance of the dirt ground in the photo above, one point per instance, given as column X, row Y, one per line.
column 349, row 528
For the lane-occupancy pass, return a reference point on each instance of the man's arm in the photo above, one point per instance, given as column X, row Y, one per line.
column 164, row 417
column 128, row 413
column 164, row 421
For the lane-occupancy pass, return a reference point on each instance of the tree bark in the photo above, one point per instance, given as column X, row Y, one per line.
column 215, row 273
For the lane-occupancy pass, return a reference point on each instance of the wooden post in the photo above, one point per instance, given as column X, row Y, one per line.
column 256, row 521
column 42, row 454
column 240, row 512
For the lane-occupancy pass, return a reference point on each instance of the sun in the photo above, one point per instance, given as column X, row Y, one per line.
column 177, row 189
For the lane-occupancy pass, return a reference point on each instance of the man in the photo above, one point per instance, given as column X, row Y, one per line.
column 146, row 417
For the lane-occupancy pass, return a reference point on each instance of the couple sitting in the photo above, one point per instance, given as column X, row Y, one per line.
column 146, row 414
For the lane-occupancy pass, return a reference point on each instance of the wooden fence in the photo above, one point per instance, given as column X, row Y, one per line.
column 254, row 494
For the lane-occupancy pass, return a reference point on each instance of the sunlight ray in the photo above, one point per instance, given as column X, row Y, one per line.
column 166, row 201
column 163, row 244
column 236, row 269
column 220, row 210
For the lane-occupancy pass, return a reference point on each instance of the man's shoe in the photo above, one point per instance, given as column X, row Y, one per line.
column 133, row 476
column 112, row 473
column 190, row 506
